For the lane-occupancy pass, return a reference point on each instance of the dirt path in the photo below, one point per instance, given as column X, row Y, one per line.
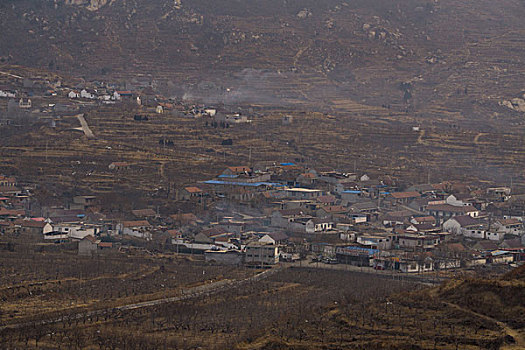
column 517, row 335
column 476, row 138
column 85, row 127
column 12, row 75
column 420, row 138
column 299, row 54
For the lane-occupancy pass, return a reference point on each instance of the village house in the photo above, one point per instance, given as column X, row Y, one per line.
column 140, row 229
column 33, row 227
column 235, row 118
column 7, row 181
column 11, row 214
column 421, row 204
column 118, row 166
column 326, row 199
column 423, row 189
column 144, row 213
column 509, row 226
column 512, row 244
column 303, row 193
column 330, row 210
column 485, row 246
column 459, row 200
column 257, row 253
column 183, row 219
column 237, row 170
column 403, row 197
column 278, row 238
column 334, row 177
column 415, row 242
column 394, row 218
column 467, row 226
column 24, row 103
column 494, row 235
column 189, row 193
column 498, row 194
column 227, row 257
column 423, row 220
column 319, row 225
column 350, row 196
column 87, row 95
column 232, row 226
column 369, row 208
column 306, row 179
column 423, row 228
column 416, row 265
column 375, row 241
column 500, row 257
column 282, row 218
column 83, row 202
column 75, row 230
column 8, row 94
column 357, row 256
column 446, row 211
column 88, row 246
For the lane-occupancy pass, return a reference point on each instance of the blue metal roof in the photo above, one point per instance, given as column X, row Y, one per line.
column 287, row 164
column 228, row 176
column 352, row 191
column 368, row 250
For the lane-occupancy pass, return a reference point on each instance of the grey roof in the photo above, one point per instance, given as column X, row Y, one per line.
column 467, row 220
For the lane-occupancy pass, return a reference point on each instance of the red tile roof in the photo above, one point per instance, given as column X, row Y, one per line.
column 193, row 189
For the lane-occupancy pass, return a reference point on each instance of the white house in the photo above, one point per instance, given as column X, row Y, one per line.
column 456, row 201
column 73, row 94
column 415, row 266
column 266, row 239
column 510, row 226
column 210, row 111
column 494, row 236
column 375, row 241
column 317, row 225
column 75, row 230
column 139, row 228
column 7, row 94
column 456, row 223
column 261, row 254
column 85, row 94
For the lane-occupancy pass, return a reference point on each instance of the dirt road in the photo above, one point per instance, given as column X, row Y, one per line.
column 85, row 127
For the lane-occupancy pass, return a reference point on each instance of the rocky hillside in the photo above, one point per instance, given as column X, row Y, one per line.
column 431, row 58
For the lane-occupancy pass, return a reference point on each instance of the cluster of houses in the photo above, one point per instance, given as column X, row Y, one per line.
column 271, row 212
column 52, row 98
column 353, row 219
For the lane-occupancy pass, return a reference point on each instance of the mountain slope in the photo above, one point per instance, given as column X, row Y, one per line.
column 432, row 58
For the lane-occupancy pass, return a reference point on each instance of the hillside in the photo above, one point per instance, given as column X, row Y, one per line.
column 439, row 59
column 292, row 309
